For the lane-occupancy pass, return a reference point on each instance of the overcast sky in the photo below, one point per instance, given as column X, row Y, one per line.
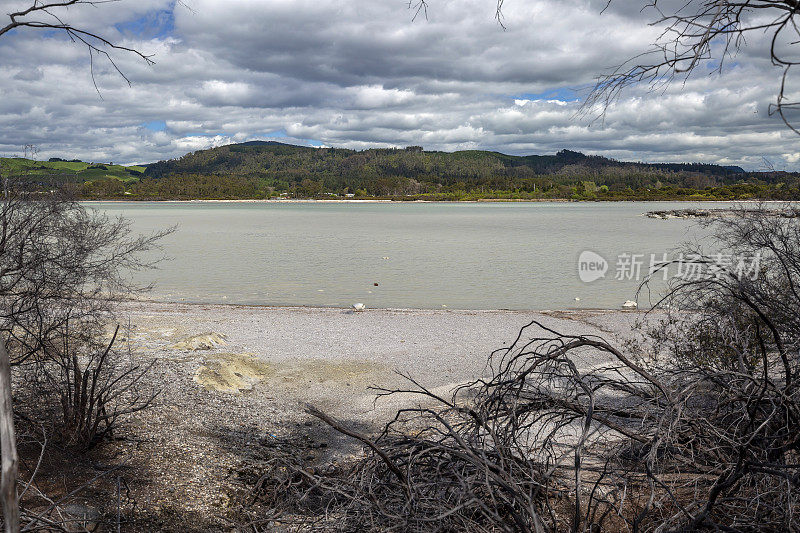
column 364, row 73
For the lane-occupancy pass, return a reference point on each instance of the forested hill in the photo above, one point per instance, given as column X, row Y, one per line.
column 264, row 169
column 265, row 158
column 268, row 167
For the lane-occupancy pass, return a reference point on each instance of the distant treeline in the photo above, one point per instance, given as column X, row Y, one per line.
column 267, row 169
column 263, row 169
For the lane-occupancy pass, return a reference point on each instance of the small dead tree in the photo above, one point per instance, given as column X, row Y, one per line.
column 89, row 384
column 62, row 268
column 47, row 16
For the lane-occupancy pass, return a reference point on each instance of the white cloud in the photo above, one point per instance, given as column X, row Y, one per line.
column 362, row 73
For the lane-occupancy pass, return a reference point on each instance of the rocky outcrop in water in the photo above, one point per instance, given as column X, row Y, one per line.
column 717, row 213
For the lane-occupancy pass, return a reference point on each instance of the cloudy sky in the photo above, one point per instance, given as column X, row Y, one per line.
column 366, row 73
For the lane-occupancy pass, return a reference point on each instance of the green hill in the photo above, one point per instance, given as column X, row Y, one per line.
column 67, row 171
column 259, row 169
column 263, row 169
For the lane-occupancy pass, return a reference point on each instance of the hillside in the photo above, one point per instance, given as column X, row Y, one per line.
column 268, row 158
column 262, row 169
column 58, row 171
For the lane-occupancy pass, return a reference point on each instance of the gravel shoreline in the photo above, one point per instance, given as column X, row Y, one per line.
column 217, row 405
column 310, row 353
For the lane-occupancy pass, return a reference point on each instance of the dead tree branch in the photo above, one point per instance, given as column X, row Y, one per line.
column 697, row 32
column 693, row 428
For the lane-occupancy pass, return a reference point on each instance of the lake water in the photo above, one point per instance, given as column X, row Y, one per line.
column 421, row 255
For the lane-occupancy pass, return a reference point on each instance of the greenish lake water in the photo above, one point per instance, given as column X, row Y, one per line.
column 421, row 255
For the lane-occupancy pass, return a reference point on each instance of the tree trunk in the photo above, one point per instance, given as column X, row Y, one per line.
column 8, row 446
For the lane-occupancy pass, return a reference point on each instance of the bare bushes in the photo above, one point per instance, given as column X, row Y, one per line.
column 88, row 385
column 62, row 269
column 61, row 263
column 524, row 451
column 694, row 428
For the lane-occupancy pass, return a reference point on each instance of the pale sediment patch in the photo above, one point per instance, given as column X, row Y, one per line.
column 232, row 373
column 332, row 357
column 203, row 341
column 321, row 371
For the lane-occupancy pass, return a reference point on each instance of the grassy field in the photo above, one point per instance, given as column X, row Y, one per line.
column 75, row 171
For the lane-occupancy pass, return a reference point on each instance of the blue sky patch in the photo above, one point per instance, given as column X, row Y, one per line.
column 565, row 94
column 155, row 125
column 157, row 24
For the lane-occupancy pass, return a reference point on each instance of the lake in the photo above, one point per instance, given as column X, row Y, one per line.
column 402, row 255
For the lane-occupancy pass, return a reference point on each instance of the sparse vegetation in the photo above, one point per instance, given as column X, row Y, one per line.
column 62, row 268
column 692, row 428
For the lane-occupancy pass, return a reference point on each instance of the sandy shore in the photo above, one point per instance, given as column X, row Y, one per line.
column 218, row 405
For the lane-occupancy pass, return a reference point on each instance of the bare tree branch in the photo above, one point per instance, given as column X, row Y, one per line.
column 696, row 32
column 46, row 16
